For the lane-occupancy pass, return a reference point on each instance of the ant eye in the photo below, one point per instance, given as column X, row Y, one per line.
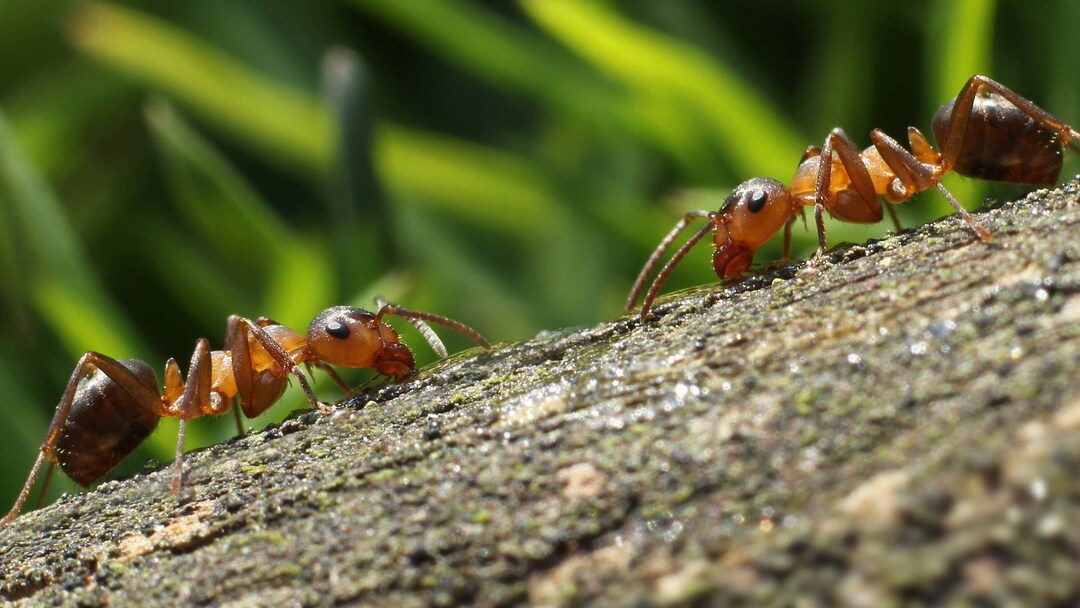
column 337, row 329
column 757, row 200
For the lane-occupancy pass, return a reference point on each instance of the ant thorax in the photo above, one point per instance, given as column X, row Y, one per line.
column 294, row 343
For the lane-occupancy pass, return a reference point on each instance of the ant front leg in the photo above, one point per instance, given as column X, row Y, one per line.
column 337, row 379
column 795, row 215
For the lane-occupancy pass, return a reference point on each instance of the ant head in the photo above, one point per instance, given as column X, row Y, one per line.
column 751, row 215
column 351, row 337
column 395, row 360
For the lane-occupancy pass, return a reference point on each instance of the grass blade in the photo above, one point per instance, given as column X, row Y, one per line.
column 284, row 124
column 252, row 244
column 360, row 222
column 743, row 122
column 479, row 184
column 55, row 274
column 962, row 47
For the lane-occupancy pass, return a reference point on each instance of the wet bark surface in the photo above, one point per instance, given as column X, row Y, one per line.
column 898, row 423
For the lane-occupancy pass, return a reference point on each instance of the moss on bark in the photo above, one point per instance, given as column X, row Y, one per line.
column 898, row 423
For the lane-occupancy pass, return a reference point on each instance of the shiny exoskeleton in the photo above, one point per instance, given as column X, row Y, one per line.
column 987, row 131
column 110, row 406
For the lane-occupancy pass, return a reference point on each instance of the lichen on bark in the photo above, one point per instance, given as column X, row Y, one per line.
column 898, row 422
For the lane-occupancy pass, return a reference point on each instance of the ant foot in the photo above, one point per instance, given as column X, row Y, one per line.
column 326, row 409
column 816, row 261
column 813, row 266
column 184, row 494
column 339, row 414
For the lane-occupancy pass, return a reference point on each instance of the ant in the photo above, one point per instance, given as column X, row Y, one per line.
column 110, row 406
column 987, row 131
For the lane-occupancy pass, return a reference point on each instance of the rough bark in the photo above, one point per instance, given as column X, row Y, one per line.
column 896, row 424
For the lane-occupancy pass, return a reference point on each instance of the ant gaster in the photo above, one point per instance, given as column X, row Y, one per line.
column 987, row 131
column 110, row 406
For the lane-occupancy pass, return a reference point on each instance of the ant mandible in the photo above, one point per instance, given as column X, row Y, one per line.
column 987, row 131
column 110, row 406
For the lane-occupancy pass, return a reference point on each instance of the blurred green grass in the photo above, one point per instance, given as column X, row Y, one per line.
column 509, row 164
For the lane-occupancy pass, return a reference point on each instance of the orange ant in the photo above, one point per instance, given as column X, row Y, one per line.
column 988, row 131
column 110, row 406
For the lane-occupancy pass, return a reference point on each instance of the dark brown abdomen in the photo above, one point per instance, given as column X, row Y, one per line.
column 1002, row 143
column 105, row 425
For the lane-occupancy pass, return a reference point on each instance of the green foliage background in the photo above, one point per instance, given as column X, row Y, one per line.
column 509, row 164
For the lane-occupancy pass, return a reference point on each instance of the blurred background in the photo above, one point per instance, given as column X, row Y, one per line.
column 508, row 164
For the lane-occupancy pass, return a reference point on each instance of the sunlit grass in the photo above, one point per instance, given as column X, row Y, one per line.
column 283, row 123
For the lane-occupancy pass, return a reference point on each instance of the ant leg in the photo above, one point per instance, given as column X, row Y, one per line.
column 921, row 148
column 257, row 390
column 787, row 230
column 821, row 193
column 819, row 221
column 912, row 176
column 851, row 161
column 681, row 225
column 787, row 238
column 193, row 402
column 239, row 423
column 961, row 113
column 344, row 386
column 14, row 512
column 893, row 217
column 243, row 370
column 178, row 463
column 850, row 157
column 194, row 399
column 239, row 329
column 45, row 485
column 371, row 382
column 662, row 276
column 116, row 371
column 388, row 308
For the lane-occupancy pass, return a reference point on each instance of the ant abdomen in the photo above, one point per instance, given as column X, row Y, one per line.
column 1002, row 143
column 105, row 424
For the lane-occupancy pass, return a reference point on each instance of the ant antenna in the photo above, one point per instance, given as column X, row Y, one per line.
column 659, row 251
column 662, row 276
column 425, row 330
column 417, row 319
